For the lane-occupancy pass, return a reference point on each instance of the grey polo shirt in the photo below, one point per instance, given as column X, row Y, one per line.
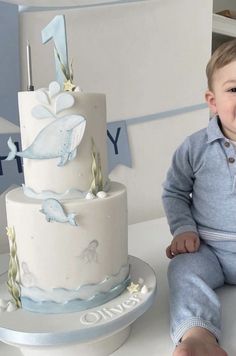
column 200, row 187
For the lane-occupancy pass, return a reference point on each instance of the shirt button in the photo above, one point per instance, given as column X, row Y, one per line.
column 231, row 160
column 227, row 144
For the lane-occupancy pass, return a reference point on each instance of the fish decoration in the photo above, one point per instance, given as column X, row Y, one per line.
column 59, row 139
column 54, row 211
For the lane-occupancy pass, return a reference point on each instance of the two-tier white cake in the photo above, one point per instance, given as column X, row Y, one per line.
column 68, row 223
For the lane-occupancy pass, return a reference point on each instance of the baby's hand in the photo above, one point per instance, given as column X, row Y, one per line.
column 182, row 243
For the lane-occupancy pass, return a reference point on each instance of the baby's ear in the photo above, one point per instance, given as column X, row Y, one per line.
column 211, row 101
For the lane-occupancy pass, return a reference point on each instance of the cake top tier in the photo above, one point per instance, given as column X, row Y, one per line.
column 63, row 141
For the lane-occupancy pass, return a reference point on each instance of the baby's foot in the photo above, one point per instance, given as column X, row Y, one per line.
column 191, row 347
column 199, row 343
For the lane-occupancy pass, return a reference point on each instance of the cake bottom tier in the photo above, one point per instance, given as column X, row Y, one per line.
column 71, row 265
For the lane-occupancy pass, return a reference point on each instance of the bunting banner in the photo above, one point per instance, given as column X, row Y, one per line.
column 118, row 145
column 11, row 172
column 118, row 141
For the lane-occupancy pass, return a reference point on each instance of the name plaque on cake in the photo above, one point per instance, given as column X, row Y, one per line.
column 109, row 313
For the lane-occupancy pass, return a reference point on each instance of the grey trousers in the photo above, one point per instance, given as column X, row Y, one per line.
column 193, row 279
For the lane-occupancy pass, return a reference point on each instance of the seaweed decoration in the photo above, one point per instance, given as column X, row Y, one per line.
column 97, row 181
column 99, row 178
column 13, row 271
column 68, row 74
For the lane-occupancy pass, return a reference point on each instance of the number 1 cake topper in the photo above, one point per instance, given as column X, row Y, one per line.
column 56, row 30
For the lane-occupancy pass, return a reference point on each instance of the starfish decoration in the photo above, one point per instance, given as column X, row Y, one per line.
column 69, row 86
column 133, row 288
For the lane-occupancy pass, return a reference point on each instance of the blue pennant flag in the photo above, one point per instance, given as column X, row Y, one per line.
column 11, row 172
column 118, row 145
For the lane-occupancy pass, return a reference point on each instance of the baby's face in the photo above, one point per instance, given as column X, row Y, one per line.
column 222, row 100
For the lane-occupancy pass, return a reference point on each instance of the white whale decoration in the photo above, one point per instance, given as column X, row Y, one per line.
column 59, row 139
column 54, row 211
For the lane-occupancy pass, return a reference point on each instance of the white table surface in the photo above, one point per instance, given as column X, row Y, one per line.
column 150, row 333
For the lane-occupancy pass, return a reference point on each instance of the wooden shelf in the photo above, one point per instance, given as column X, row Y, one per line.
column 223, row 25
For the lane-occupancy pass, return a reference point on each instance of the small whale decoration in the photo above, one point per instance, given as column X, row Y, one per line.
column 59, row 139
column 54, row 211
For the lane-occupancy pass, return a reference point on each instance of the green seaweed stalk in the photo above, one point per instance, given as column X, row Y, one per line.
column 97, row 181
column 67, row 72
column 13, row 271
column 99, row 175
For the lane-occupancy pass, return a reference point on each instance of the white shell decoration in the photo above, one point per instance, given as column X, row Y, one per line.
column 144, row 289
column 141, row 281
column 42, row 96
column 90, row 195
column 40, row 112
column 3, row 303
column 64, row 101
column 7, row 305
column 11, row 307
column 78, row 89
column 54, row 89
column 101, row 194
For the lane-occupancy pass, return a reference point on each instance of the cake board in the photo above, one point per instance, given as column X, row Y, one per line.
column 94, row 332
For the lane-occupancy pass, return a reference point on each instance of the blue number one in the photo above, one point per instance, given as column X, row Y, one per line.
column 56, row 30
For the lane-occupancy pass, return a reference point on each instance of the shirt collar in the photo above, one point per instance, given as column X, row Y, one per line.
column 213, row 130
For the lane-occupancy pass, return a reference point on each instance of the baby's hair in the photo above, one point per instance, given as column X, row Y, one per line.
column 223, row 55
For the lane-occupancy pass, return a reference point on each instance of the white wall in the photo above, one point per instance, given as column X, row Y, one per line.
column 147, row 57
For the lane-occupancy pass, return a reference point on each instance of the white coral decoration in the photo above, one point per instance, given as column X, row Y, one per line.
column 102, row 194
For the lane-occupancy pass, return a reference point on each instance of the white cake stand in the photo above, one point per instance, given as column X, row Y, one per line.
column 95, row 332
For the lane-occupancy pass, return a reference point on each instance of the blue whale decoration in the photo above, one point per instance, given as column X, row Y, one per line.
column 59, row 139
column 54, row 211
